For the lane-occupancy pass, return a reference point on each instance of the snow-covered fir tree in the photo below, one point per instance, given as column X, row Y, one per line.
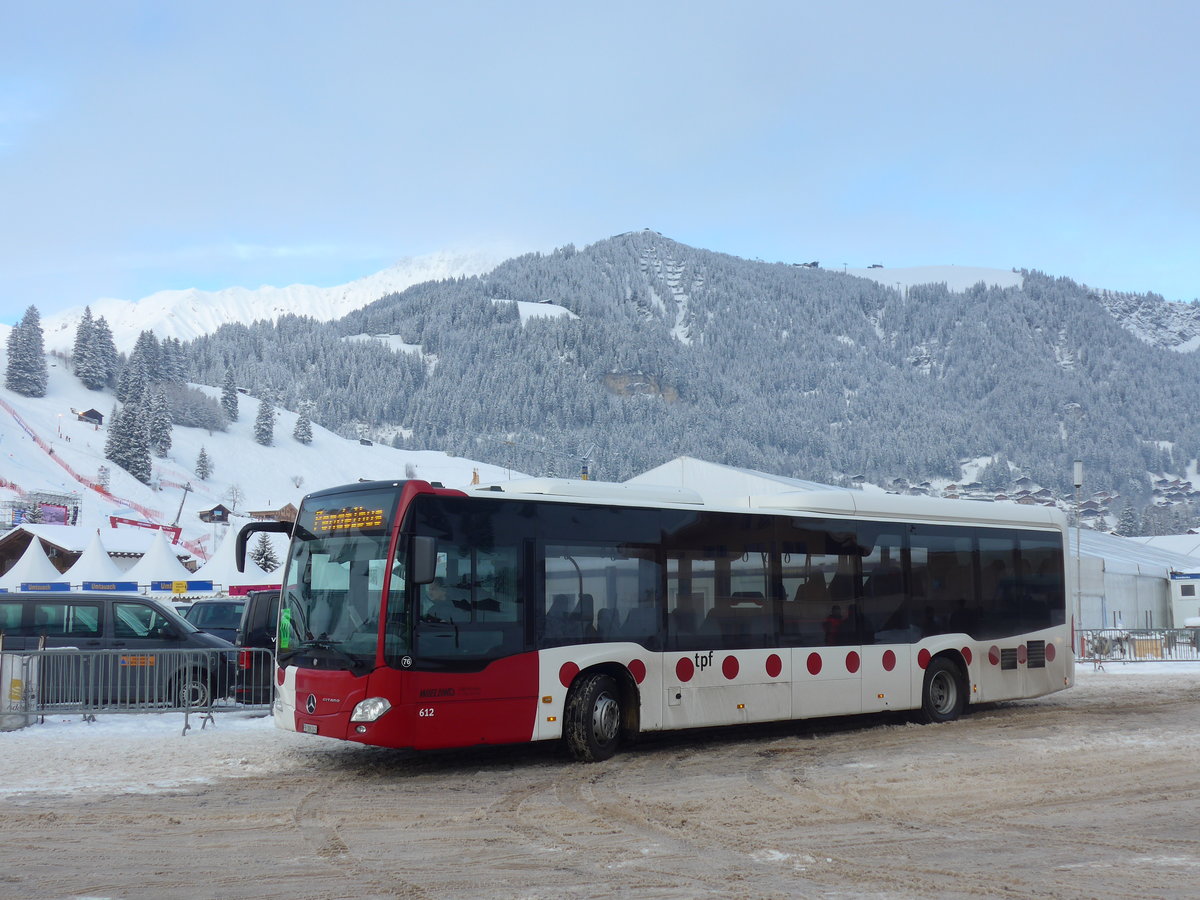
column 264, row 422
column 104, row 352
column 263, row 553
column 94, row 355
column 173, row 362
column 229, row 396
column 303, row 430
column 27, row 373
column 128, row 443
column 1128, row 524
column 204, row 466
column 158, row 422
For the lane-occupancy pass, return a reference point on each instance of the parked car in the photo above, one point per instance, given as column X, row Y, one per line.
column 144, row 638
column 219, row 617
column 254, row 680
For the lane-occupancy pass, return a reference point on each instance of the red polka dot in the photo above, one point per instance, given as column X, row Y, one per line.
column 637, row 669
column 814, row 663
column 1022, row 654
column 729, row 667
column 923, row 658
column 774, row 665
column 567, row 673
column 994, row 656
column 852, row 661
column 966, row 653
column 889, row 660
column 280, row 675
column 1050, row 652
column 685, row 669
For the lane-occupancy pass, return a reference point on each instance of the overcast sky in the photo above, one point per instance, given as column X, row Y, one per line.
column 147, row 146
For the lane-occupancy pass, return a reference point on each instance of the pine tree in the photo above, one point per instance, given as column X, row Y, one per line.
column 158, row 422
column 204, row 466
column 27, row 373
column 85, row 335
column 264, row 424
column 303, row 430
column 263, row 553
column 1127, row 524
column 104, row 352
column 128, row 444
column 229, row 396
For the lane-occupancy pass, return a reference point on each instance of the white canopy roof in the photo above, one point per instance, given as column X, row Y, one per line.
column 221, row 569
column 33, row 566
column 94, row 564
column 159, row 564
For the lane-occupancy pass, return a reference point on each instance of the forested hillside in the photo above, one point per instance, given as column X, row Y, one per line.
column 788, row 369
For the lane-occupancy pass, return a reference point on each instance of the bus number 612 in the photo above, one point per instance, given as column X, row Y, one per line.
column 425, row 713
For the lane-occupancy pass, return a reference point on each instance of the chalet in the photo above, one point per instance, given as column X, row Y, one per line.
column 91, row 416
column 218, row 514
column 286, row 513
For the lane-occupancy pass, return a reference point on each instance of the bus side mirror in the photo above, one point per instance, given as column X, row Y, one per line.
column 422, row 560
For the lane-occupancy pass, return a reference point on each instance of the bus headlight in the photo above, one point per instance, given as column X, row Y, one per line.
column 370, row 709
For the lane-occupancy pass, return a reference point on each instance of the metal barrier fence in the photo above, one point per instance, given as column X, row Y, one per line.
column 1122, row 645
column 91, row 682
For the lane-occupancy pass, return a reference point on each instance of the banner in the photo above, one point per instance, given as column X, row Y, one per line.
column 126, row 586
column 173, row 586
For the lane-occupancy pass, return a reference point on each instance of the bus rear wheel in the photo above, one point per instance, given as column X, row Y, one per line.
column 944, row 693
column 593, row 718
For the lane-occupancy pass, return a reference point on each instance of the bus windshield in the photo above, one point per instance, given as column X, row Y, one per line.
column 333, row 589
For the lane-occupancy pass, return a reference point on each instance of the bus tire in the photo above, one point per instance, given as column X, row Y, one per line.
column 943, row 693
column 593, row 718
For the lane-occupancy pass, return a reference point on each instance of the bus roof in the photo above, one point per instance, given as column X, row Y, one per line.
column 835, row 503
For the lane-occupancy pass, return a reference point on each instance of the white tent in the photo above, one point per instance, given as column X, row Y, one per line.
column 33, row 566
column 222, row 571
column 721, row 484
column 160, row 564
column 95, row 565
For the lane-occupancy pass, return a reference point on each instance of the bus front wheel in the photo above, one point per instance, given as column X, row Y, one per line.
column 593, row 718
column 944, row 693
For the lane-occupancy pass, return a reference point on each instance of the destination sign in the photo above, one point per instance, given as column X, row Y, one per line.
column 347, row 519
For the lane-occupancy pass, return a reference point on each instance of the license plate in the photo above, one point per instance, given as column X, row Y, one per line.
column 309, row 728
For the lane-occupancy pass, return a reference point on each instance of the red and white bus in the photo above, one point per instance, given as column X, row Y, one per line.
column 420, row 617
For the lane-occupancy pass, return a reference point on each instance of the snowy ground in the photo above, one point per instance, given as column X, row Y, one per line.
column 150, row 753
column 1091, row 792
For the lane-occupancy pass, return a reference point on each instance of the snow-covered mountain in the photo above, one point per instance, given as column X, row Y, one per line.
column 191, row 313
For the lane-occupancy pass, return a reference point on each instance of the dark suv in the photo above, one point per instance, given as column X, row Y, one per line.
column 219, row 617
column 154, row 654
column 254, row 681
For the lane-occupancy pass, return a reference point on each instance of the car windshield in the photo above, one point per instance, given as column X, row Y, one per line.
column 333, row 589
column 215, row 615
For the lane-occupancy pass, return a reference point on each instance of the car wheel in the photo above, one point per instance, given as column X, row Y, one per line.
column 193, row 688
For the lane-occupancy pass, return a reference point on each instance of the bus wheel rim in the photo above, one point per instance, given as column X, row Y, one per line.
column 942, row 693
column 606, row 717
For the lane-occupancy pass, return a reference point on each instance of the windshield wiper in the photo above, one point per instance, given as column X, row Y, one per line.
column 331, row 646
